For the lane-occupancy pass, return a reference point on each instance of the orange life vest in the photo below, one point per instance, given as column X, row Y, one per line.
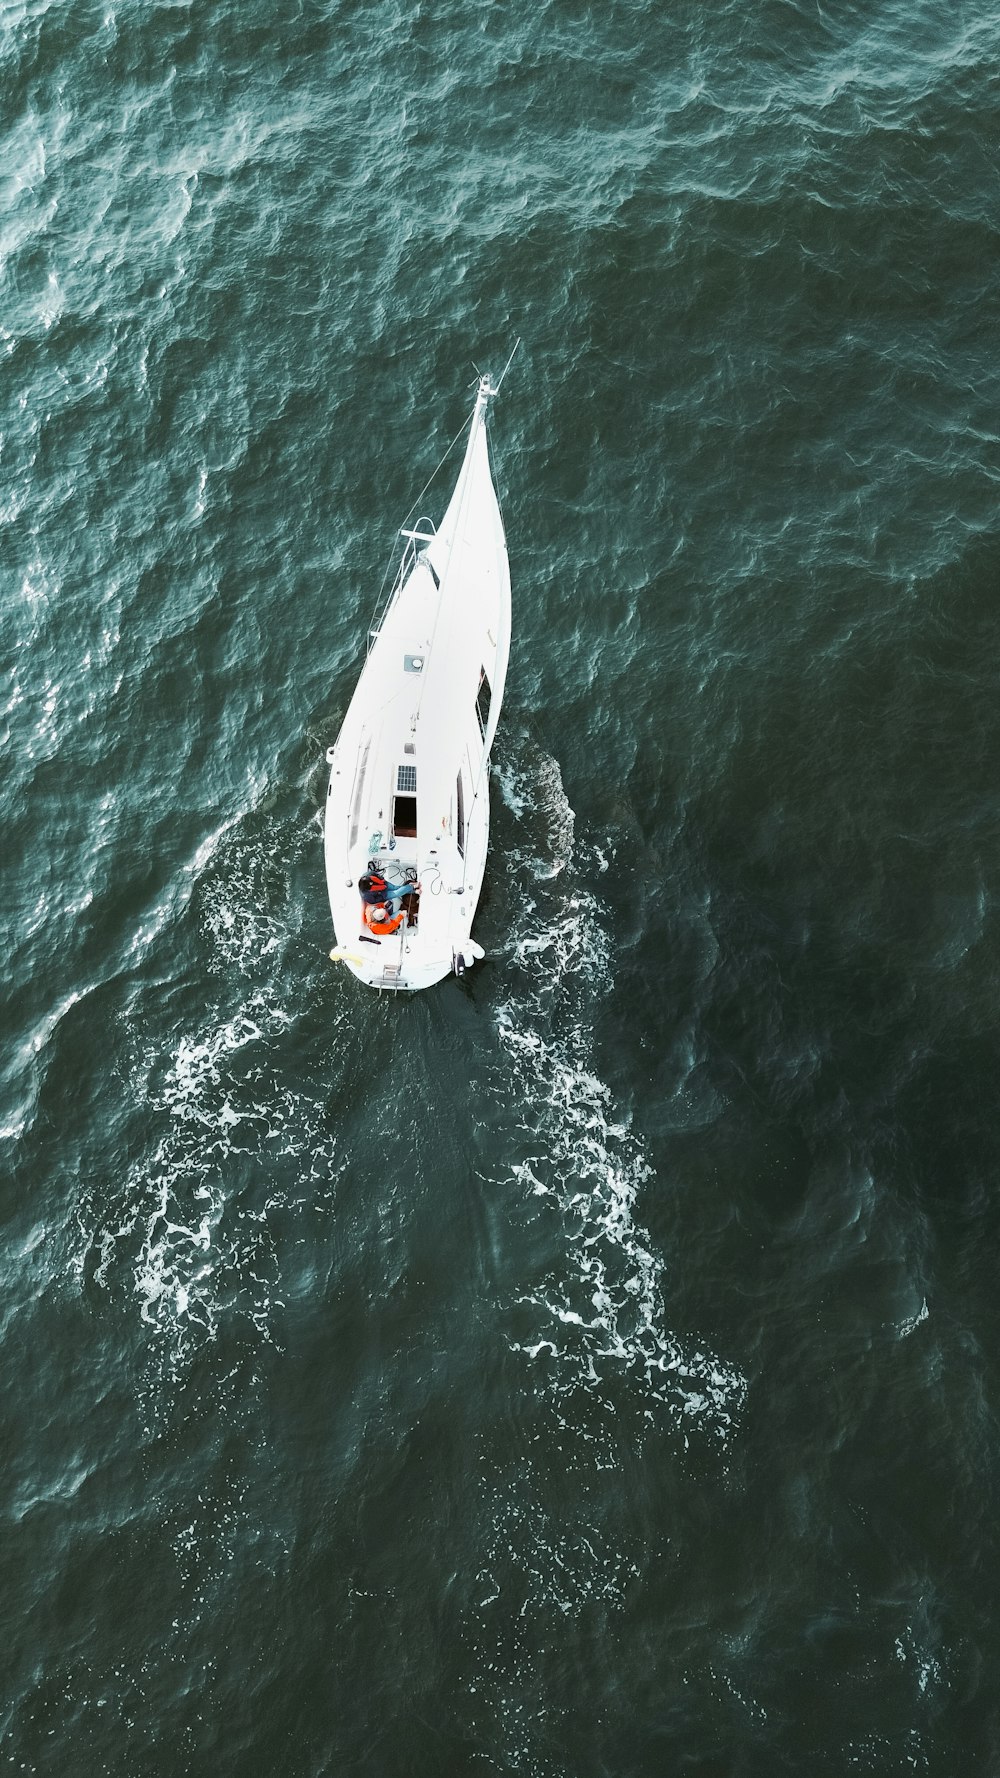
column 380, row 918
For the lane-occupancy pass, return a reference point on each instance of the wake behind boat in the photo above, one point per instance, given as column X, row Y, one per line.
column 407, row 810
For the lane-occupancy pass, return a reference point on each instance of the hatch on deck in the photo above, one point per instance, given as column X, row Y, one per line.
column 404, row 817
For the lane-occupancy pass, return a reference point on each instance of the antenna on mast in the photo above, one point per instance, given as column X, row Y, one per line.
column 508, row 364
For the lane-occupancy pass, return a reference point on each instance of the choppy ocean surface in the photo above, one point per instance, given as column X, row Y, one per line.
column 590, row 1369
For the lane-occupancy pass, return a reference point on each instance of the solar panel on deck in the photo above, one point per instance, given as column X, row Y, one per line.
column 406, row 780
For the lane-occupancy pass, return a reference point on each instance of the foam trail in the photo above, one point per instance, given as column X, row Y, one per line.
column 186, row 1233
column 602, row 1316
column 606, row 1368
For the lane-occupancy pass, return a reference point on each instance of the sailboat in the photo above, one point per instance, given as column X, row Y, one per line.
column 408, row 808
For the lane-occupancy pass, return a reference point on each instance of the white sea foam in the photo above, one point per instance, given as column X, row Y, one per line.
column 605, row 1365
column 170, row 1231
column 925, row 1667
column 534, row 787
column 539, row 1576
column 189, row 1232
column 881, row 1753
column 242, row 933
column 545, row 1564
column 910, row 1323
column 601, row 1316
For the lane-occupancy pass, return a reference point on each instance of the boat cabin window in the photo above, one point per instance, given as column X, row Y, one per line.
column 483, row 696
column 460, row 816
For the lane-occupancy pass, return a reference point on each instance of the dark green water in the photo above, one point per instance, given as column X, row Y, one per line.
column 589, row 1370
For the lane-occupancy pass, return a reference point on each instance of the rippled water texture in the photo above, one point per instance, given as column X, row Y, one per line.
column 588, row 1370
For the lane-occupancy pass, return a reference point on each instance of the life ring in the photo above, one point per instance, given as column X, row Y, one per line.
column 375, row 921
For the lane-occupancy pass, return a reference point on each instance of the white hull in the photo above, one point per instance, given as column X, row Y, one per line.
column 409, row 774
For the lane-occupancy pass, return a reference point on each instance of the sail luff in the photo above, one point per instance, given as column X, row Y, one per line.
column 469, row 556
